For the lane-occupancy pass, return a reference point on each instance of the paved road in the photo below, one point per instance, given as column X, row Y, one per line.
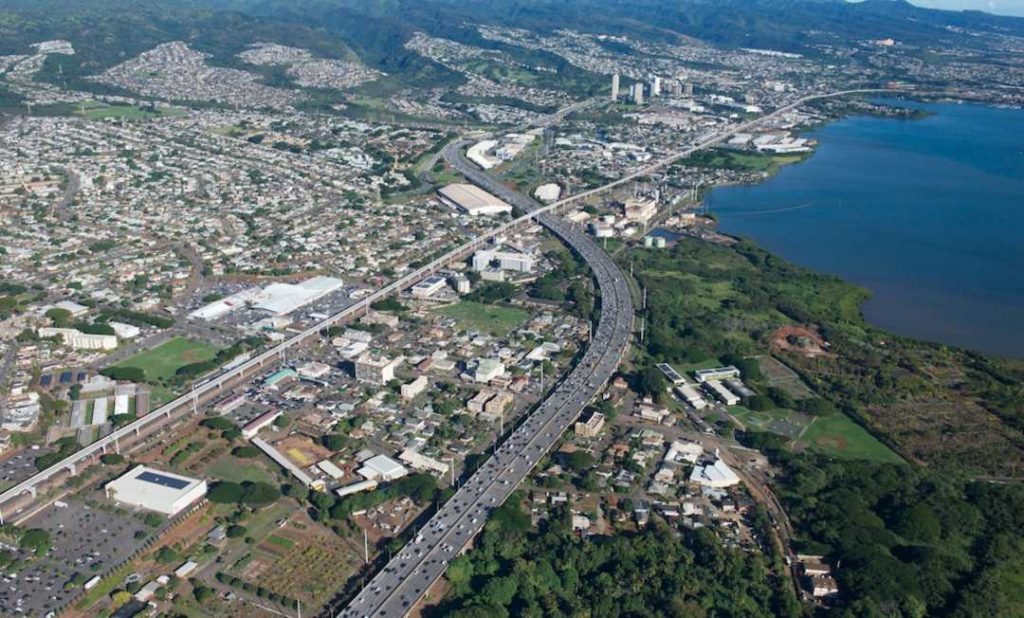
column 405, row 579
column 409, row 574
column 214, row 383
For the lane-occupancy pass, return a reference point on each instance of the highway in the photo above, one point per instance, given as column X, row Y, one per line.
column 407, row 576
column 422, row 561
column 213, row 385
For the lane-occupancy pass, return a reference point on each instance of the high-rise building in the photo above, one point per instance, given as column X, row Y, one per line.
column 615, row 87
column 688, row 89
column 656, row 86
column 638, row 93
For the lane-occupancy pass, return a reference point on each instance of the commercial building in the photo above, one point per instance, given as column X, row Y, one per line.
column 590, row 427
column 429, row 286
column 375, row 369
column 505, row 259
column 473, row 200
column 79, row 340
column 154, row 490
column 382, row 468
column 284, row 298
column 496, row 406
column 327, row 467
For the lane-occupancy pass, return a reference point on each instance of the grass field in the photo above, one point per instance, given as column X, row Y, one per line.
column 497, row 320
column 98, row 111
column 839, row 436
column 280, row 541
column 835, row 434
column 228, row 468
column 161, row 362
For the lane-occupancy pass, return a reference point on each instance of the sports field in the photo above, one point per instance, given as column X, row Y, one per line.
column 96, row 111
column 833, row 434
column 161, row 362
column 839, row 436
column 498, row 320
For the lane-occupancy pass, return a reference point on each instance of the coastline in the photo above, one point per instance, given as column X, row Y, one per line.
column 879, row 307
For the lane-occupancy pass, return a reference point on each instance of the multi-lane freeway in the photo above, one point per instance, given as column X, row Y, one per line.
column 405, row 579
column 562, row 405
column 407, row 576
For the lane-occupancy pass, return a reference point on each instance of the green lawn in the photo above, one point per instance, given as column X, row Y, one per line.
column 498, row 320
column 97, row 111
column 230, row 468
column 281, row 541
column 839, row 436
column 161, row 362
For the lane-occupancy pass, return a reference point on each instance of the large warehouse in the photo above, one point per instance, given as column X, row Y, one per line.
column 473, row 200
column 154, row 490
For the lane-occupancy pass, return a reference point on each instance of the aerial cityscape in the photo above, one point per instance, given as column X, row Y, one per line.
column 385, row 308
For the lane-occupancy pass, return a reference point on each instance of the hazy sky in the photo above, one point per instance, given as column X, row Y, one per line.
column 1003, row 7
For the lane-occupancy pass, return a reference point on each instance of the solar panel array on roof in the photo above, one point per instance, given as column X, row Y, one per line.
column 165, row 481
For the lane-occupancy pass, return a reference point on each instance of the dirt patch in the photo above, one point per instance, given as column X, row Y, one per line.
column 800, row 339
column 836, row 443
column 302, row 450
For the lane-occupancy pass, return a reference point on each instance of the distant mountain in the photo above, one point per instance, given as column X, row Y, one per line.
column 107, row 31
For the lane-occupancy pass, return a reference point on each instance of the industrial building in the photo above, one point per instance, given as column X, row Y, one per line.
column 154, row 490
column 473, row 200
column 640, row 209
column 716, row 474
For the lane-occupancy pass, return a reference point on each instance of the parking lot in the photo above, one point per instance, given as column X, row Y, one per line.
column 85, row 540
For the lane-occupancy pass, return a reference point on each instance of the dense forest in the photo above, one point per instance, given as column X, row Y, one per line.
column 910, row 541
column 655, row 572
